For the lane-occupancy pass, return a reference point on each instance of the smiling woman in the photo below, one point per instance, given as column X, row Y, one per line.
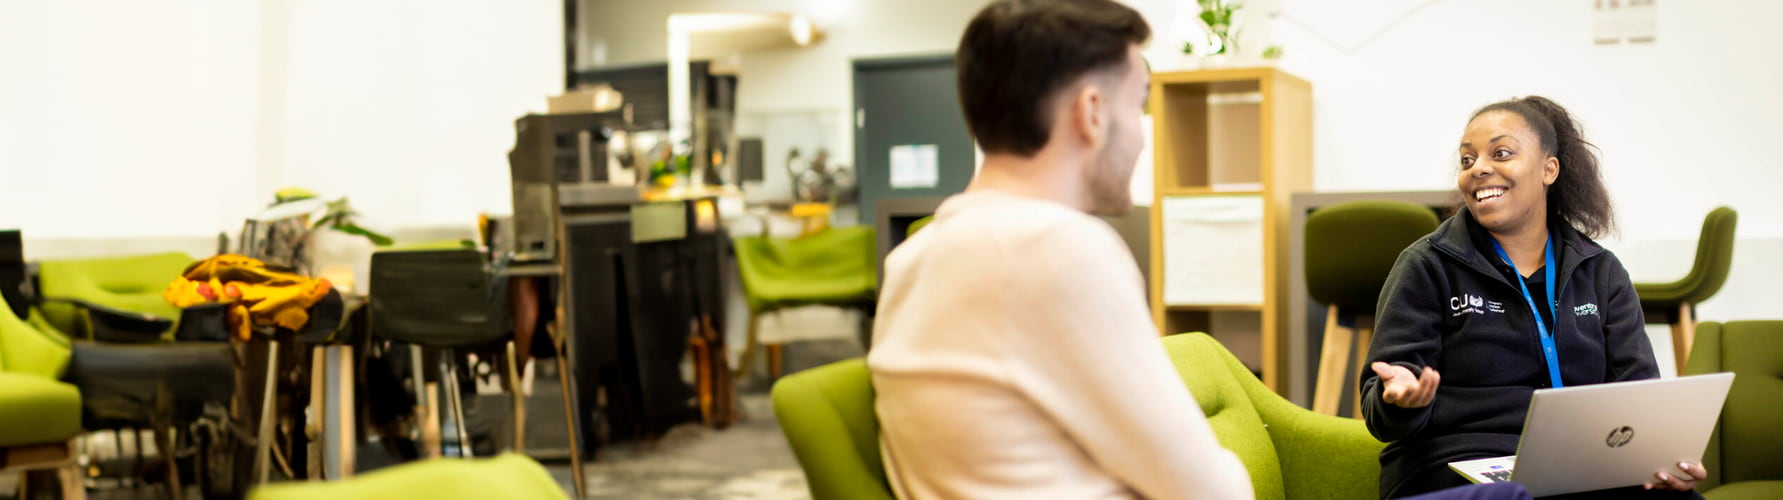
column 1472, row 318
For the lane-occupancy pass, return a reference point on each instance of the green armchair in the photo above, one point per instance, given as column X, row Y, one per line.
column 129, row 284
column 1290, row 452
column 507, row 476
column 835, row 267
column 827, row 415
column 39, row 415
column 1746, row 450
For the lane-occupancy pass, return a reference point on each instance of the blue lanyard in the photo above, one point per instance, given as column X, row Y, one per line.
column 1548, row 351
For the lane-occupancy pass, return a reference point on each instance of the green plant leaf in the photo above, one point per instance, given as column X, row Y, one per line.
column 354, row 229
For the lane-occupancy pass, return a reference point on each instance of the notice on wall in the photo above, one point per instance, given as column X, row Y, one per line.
column 915, row 166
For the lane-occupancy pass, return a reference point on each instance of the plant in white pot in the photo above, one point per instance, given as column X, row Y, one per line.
column 337, row 247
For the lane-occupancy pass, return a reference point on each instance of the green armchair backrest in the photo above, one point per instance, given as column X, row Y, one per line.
column 1714, row 258
column 1748, row 443
column 836, row 266
column 26, row 349
column 1290, row 452
column 827, row 415
column 1354, row 245
column 131, row 283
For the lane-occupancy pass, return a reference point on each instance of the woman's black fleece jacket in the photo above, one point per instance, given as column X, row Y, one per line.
column 1451, row 304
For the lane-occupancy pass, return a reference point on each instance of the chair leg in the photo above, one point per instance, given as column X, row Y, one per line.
column 73, row 487
column 1333, row 358
column 776, row 354
column 1683, row 336
column 263, row 441
column 749, row 345
column 427, row 395
column 1364, row 336
column 455, row 398
column 518, row 400
column 167, row 445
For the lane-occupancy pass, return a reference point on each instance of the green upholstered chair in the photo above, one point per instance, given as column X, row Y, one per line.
column 835, row 267
column 827, row 415
column 1675, row 302
column 508, row 476
column 918, row 225
column 1745, row 454
column 39, row 415
column 131, row 284
column 1291, row 452
column 1350, row 249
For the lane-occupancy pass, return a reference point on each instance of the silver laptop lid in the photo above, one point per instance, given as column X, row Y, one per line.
column 1601, row 436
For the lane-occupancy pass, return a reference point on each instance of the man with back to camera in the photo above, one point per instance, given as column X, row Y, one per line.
column 1014, row 356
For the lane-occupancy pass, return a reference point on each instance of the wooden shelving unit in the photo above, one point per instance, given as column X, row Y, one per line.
column 1229, row 135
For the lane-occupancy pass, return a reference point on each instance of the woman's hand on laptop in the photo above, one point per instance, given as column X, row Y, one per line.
column 1683, row 479
column 1400, row 388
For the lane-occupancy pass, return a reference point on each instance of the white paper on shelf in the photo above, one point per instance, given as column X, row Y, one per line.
column 1213, row 250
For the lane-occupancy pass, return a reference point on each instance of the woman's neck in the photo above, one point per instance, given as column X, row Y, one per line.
column 1524, row 246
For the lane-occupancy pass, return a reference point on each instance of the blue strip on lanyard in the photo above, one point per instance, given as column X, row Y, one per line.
column 1548, row 351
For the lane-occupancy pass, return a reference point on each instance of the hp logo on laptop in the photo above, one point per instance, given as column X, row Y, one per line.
column 1620, row 437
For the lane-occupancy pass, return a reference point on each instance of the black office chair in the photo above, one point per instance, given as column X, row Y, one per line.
column 441, row 301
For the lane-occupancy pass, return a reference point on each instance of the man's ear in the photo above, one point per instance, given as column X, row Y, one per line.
column 1088, row 120
column 1550, row 171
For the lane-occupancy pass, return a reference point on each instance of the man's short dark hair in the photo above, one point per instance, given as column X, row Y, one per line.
column 1017, row 53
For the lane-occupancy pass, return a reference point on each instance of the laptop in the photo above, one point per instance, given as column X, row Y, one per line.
column 1594, row 437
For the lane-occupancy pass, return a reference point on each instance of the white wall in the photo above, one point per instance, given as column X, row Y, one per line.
column 788, row 92
column 172, row 121
column 134, row 120
column 1685, row 123
column 408, row 108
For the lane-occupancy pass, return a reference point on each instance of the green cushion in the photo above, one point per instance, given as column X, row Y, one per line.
column 1289, row 451
column 37, row 410
column 1350, row 248
column 29, row 350
column 1714, row 256
column 132, row 283
column 1749, row 490
column 918, row 225
column 837, row 266
column 827, row 415
column 506, row 476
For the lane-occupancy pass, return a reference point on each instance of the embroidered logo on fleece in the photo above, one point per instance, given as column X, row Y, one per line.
column 1585, row 310
column 1474, row 304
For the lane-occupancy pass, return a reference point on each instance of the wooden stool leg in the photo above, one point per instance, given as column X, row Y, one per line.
column 166, row 441
column 263, row 439
column 749, row 345
column 1364, row 336
column 70, row 478
column 1333, row 358
column 518, row 399
column 776, row 354
column 1683, row 336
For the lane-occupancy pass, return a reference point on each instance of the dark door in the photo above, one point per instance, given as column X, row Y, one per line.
column 903, row 102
